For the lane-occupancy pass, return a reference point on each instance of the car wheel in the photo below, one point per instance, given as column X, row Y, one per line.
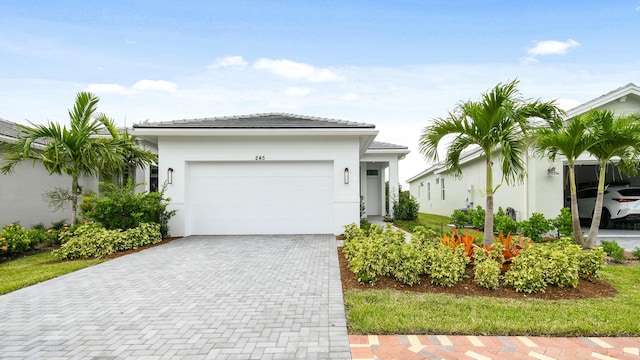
column 605, row 219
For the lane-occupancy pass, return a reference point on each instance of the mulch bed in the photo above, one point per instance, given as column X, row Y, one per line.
column 586, row 289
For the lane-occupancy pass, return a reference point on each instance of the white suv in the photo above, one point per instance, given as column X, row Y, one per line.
column 620, row 204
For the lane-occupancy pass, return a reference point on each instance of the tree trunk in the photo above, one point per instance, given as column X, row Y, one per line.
column 488, row 217
column 74, row 200
column 575, row 215
column 597, row 211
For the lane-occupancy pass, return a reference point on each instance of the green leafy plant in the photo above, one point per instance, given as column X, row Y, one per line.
column 563, row 223
column 636, row 253
column 527, row 273
column 502, row 223
column 14, row 239
column 121, row 208
column 460, row 219
column 445, row 266
column 614, row 250
column 535, row 227
column 405, row 207
column 90, row 239
column 410, row 266
column 487, row 268
column 477, row 217
column 591, row 263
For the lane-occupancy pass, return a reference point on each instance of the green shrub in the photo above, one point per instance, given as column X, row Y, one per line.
column 460, row 219
column 477, row 217
column 591, row 262
column 410, row 266
column 563, row 266
column 636, row 253
column 502, row 223
column 563, row 223
column 92, row 240
column 526, row 273
column 406, row 207
column 14, row 239
column 487, row 268
column 424, row 237
column 365, row 224
column 560, row 263
column 535, row 227
column 120, row 208
column 373, row 253
column 446, row 267
column 614, row 250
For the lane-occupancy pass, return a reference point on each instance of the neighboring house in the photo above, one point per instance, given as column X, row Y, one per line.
column 271, row 173
column 545, row 189
column 21, row 192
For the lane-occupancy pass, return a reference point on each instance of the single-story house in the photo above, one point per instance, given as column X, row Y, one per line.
column 545, row 188
column 21, row 192
column 271, row 173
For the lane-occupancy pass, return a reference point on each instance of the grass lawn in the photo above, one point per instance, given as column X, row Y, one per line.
column 29, row 270
column 435, row 222
column 398, row 312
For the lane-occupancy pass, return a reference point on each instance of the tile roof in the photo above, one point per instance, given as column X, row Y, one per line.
column 9, row 129
column 258, row 121
column 384, row 146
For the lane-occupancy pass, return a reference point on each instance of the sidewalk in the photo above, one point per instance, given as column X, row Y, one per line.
column 417, row 347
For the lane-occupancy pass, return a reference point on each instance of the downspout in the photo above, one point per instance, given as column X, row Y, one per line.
column 525, row 212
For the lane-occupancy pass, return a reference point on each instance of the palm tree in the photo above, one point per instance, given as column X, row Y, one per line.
column 570, row 139
column 620, row 138
column 496, row 124
column 79, row 150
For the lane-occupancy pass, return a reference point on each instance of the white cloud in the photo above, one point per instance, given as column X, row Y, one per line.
column 296, row 71
column 548, row 47
column 351, row 97
column 297, row 91
column 227, row 62
column 157, row 85
column 552, row 47
column 108, row 89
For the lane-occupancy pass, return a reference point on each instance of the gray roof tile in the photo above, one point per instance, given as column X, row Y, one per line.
column 384, row 145
column 258, row 121
column 9, row 129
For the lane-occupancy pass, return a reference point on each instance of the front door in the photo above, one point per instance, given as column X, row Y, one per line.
column 374, row 199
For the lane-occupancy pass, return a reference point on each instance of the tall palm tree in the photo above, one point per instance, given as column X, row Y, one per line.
column 79, row 150
column 496, row 124
column 620, row 138
column 570, row 139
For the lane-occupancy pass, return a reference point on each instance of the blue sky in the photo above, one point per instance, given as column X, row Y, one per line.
column 397, row 64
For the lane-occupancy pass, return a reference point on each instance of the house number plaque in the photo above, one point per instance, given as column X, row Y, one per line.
column 260, row 158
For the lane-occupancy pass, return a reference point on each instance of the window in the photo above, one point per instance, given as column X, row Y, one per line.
column 153, row 178
column 429, row 191
column 373, row 172
column 442, row 187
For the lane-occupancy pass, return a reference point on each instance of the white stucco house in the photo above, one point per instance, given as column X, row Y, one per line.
column 544, row 190
column 271, row 173
column 21, row 192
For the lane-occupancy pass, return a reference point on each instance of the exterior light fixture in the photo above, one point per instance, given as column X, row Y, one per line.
column 170, row 176
column 552, row 171
column 346, row 175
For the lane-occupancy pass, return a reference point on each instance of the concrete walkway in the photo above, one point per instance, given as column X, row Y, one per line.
column 242, row 297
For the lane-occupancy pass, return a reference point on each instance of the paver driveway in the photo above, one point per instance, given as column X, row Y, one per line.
column 205, row 297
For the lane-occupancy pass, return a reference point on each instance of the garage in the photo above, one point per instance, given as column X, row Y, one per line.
column 259, row 197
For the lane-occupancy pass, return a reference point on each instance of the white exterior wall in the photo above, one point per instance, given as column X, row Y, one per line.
column 176, row 151
column 539, row 192
column 21, row 195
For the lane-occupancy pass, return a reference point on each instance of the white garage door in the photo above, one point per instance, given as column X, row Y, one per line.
column 259, row 198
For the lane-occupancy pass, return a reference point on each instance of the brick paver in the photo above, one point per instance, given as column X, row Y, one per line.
column 389, row 347
column 206, row 297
